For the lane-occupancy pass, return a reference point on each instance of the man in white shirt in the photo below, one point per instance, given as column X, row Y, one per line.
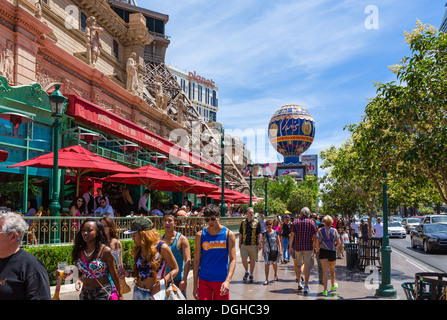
column 354, row 230
column 142, row 203
column 378, row 229
column 104, row 209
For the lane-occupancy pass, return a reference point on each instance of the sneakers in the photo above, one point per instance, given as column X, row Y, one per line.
column 245, row 276
column 333, row 288
column 251, row 279
column 300, row 285
column 306, row 289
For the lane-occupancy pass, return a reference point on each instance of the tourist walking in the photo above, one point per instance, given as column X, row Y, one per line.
column 285, row 234
column 180, row 248
column 22, row 275
column 151, row 257
column 377, row 229
column 364, row 228
column 93, row 257
column 214, row 258
column 114, row 243
column 271, row 250
column 302, row 238
column 249, row 243
column 354, row 231
column 327, row 242
column 111, row 233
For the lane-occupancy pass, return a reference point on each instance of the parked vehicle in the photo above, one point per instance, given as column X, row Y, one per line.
column 431, row 236
column 396, row 218
column 435, row 218
column 395, row 229
column 410, row 223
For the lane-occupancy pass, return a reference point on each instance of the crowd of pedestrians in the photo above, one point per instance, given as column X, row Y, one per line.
column 159, row 260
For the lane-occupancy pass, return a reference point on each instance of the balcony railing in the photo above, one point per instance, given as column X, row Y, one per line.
column 62, row 230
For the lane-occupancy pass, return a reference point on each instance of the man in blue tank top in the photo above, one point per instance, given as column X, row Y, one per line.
column 180, row 247
column 214, row 258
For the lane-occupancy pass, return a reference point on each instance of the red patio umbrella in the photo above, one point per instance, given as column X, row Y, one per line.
column 149, row 176
column 78, row 160
column 191, row 186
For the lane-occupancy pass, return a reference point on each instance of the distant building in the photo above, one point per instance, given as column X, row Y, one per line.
column 443, row 26
column 202, row 92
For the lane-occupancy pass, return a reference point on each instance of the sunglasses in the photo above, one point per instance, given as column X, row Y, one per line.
column 208, row 219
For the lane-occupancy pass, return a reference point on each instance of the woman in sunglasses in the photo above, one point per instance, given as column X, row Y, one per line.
column 214, row 258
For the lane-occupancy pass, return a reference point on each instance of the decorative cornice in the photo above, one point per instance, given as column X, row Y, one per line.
column 12, row 16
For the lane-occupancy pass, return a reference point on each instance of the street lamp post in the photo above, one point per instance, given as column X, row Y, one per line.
column 223, row 206
column 250, row 169
column 266, row 181
column 386, row 289
column 57, row 102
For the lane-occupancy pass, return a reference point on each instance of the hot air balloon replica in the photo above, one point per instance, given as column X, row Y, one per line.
column 291, row 132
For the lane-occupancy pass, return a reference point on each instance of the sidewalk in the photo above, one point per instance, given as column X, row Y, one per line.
column 352, row 284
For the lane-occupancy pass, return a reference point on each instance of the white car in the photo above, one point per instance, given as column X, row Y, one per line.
column 411, row 223
column 395, row 229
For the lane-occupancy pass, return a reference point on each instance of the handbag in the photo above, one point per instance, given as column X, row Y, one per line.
column 273, row 254
column 172, row 292
column 114, row 294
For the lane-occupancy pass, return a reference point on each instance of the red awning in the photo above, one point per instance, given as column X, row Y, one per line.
column 86, row 112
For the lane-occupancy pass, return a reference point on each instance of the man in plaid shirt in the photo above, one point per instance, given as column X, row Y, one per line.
column 302, row 239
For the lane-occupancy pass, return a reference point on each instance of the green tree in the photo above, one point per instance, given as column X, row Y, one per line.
column 409, row 117
column 302, row 197
column 274, row 206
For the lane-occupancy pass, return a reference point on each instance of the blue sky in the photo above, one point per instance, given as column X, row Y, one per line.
column 266, row 54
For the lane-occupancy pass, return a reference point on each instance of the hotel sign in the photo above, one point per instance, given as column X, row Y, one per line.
column 202, row 80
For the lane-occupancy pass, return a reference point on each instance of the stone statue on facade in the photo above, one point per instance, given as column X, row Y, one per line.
column 38, row 5
column 161, row 99
column 180, row 110
column 92, row 32
column 132, row 74
column 7, row 61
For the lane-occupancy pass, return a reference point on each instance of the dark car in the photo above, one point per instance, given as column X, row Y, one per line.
column 431, row 236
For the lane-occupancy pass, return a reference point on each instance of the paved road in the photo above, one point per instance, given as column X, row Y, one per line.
column 435, row 260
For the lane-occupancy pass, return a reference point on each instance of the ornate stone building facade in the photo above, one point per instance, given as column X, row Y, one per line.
column 111, row 54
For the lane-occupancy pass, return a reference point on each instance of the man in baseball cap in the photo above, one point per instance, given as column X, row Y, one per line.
column 140, row 224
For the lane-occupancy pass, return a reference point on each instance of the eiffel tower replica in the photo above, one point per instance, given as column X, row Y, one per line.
column 162, row 91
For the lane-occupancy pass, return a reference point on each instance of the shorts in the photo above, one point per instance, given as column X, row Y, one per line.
column 141, row 293
column 327, row 254
column 210, row 290
column 249, row 251
column 101, row 293
column 303, row 257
